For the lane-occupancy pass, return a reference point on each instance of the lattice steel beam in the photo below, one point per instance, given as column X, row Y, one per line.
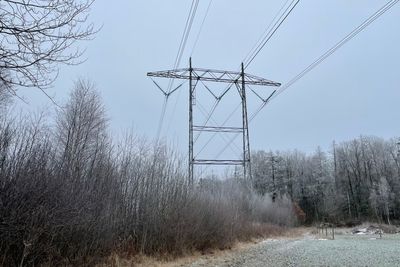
column 213, row 76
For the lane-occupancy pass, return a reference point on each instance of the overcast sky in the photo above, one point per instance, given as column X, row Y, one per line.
column 354, row 92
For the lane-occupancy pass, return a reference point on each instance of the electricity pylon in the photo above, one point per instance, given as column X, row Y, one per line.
column 240, row 80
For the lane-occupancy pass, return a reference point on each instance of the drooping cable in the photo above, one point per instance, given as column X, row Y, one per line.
column 265, row 34
column 161, row 120
column 182, row 45
column 347, row 38
column 282, row 19
column 201, row 27
column 268, row 33
column 338, row 45
column 186, row 35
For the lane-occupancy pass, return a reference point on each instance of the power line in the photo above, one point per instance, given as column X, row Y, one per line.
column 338, row 45
column 263, row 41
column 182, row 45
column 186, row 35
column 201, row 27
column 186, row 32
column 265, row 37
column 266, row 32
column 287, row 12
column 347, row 38
column 161, row 120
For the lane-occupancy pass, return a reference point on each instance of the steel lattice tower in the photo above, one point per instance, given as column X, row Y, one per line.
column 240, row 80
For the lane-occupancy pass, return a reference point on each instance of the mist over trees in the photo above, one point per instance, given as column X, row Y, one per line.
column 356, row 180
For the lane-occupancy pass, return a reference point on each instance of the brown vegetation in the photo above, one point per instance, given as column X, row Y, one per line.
column 70, row 195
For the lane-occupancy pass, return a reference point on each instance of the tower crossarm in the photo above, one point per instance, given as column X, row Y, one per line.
column 211, row 75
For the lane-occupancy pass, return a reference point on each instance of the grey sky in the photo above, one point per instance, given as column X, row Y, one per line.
column 355, row 91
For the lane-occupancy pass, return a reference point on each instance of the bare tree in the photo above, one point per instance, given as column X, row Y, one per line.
column 37, row 35
column 81, row 131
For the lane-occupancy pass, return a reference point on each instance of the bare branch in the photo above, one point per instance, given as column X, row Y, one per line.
column 36, row 36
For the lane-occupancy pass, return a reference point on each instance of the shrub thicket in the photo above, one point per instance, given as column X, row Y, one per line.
column 70, row 195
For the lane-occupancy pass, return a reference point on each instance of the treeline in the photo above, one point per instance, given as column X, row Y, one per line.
column 357, row 180
column 71, row 194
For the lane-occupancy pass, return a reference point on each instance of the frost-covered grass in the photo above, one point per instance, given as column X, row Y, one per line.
column 345, row 250
column 350, row 250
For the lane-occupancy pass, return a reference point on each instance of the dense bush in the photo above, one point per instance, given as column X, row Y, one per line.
column 71, row 195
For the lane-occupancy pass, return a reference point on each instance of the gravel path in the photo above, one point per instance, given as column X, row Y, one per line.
column 345, row 250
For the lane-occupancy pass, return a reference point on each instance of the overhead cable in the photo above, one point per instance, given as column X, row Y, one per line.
column 310, row 67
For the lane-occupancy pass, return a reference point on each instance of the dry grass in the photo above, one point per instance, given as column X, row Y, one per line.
column 265, row 231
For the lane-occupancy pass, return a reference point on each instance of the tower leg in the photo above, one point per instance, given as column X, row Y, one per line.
column 245, row 123
column 191, row 157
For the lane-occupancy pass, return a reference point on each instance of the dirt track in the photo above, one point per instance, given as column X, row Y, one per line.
column 309, row 250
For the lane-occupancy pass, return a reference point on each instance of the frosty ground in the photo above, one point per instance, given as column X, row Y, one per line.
column 312, row 250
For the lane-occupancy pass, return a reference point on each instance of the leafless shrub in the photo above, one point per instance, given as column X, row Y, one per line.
column 69, row 195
